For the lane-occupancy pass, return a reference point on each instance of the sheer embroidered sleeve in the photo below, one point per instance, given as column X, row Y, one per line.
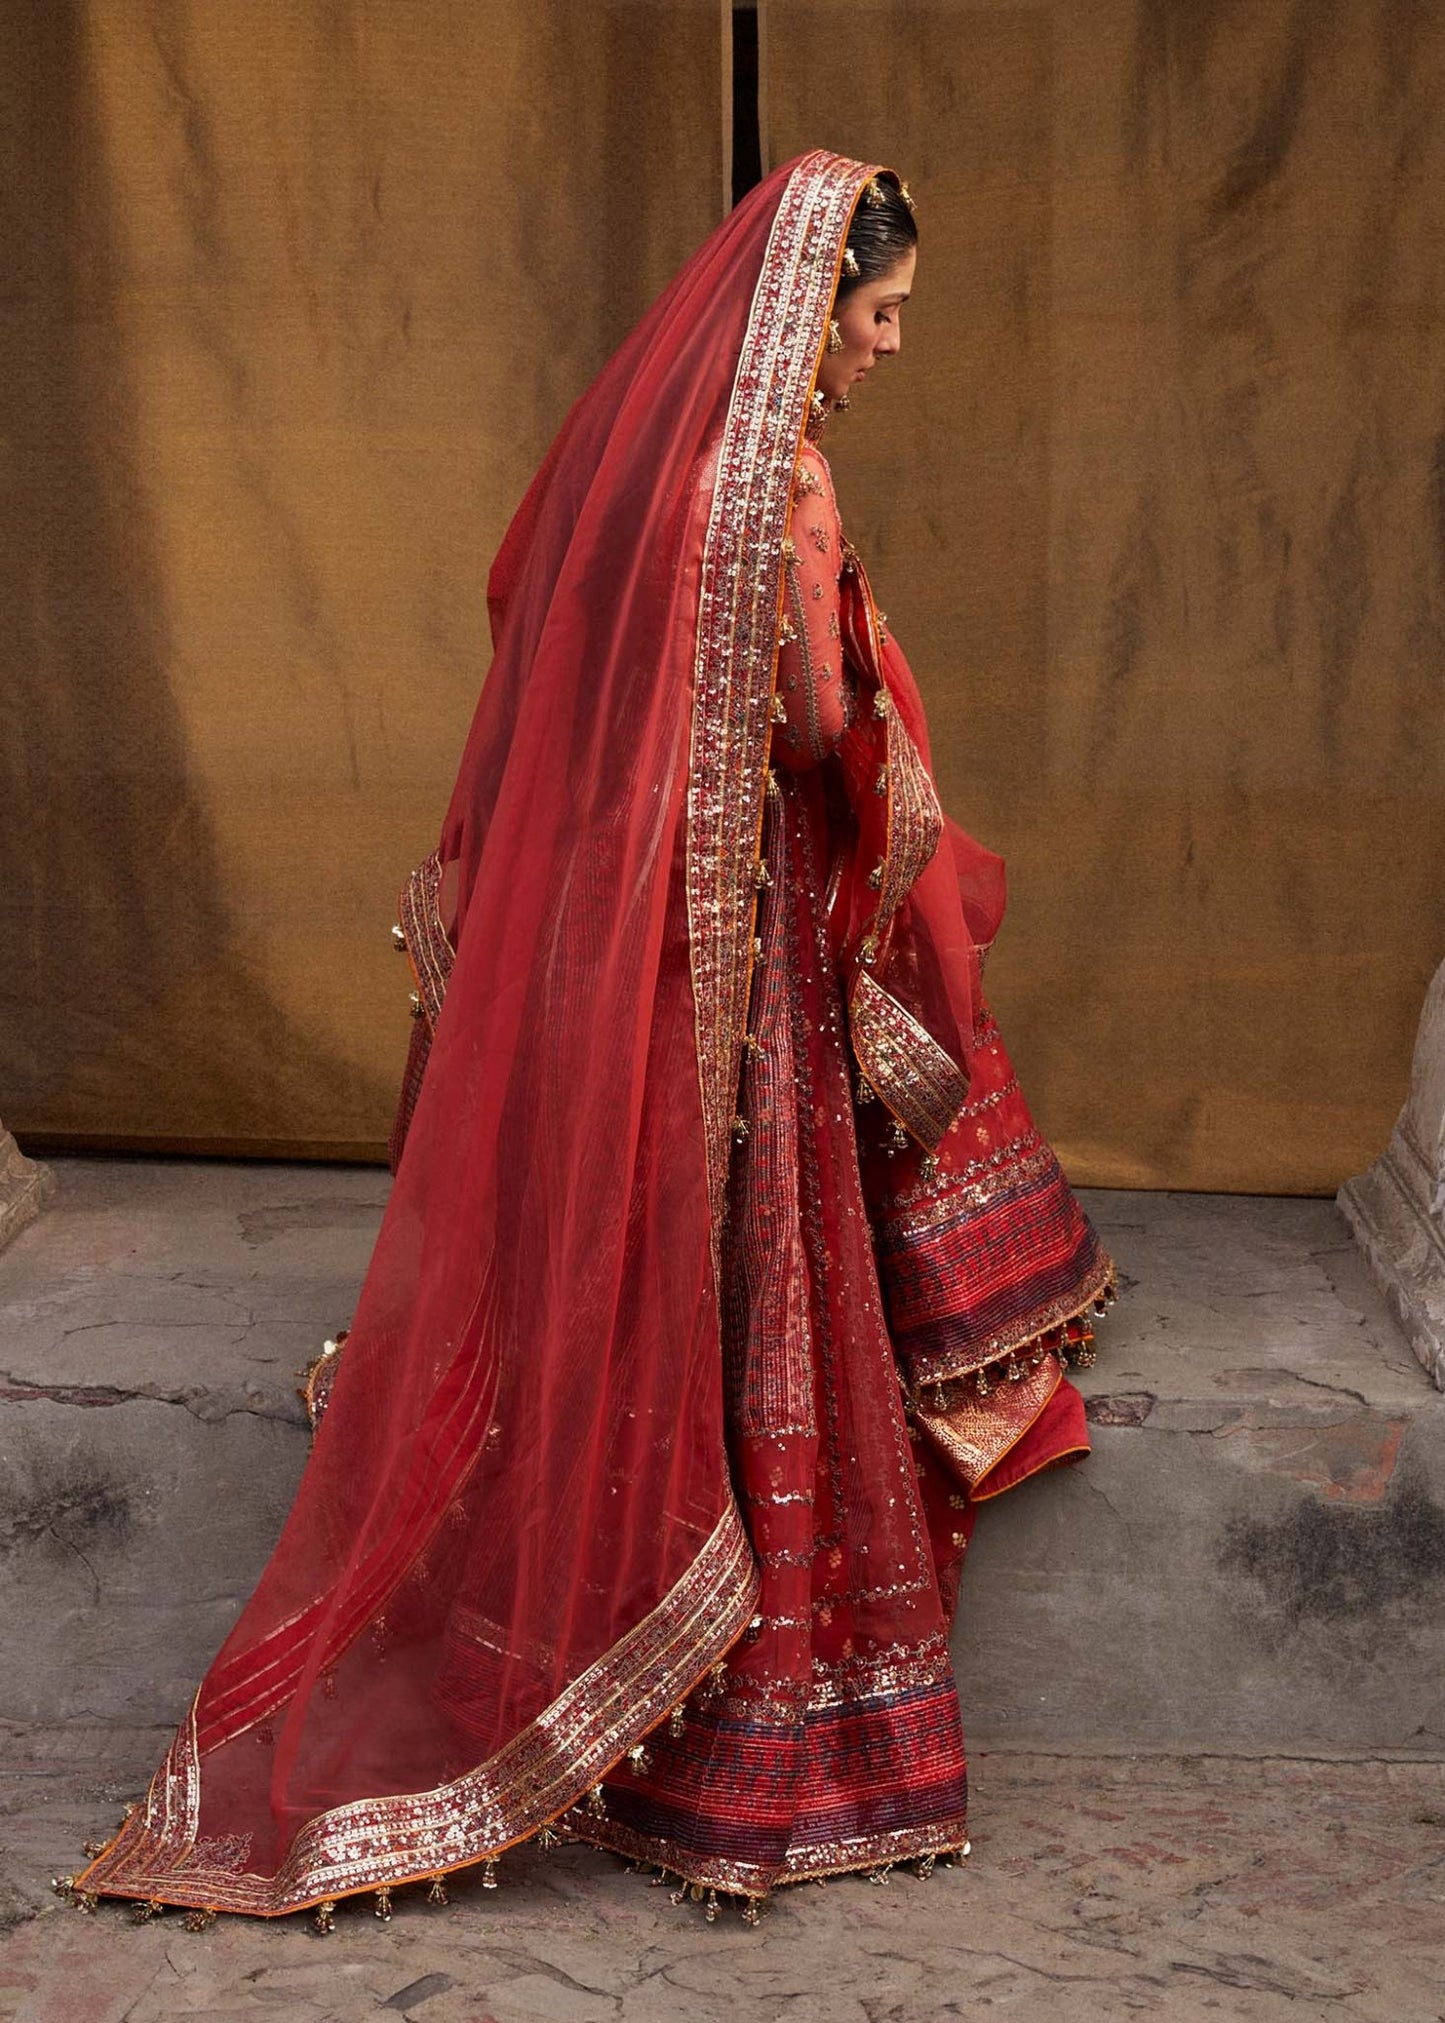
column 816, row 696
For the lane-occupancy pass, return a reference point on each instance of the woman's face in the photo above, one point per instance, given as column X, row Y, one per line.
column 868, row 324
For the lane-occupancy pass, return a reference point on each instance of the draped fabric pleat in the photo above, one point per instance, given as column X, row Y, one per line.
column 295, row 298
column 1154, row 495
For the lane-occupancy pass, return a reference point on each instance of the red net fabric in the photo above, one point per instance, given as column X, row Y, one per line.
column 517, row 1544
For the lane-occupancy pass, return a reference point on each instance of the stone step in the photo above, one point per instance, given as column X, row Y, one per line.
column 1100, row 1888
column 1252, row 1560
column 1253, row 1557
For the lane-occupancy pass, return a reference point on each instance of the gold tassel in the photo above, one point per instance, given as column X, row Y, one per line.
column 676, row 1722
column 398, row 939
column 141, row 1914
column 382, row 1906
column 711, row 1911
column 639, row 1759
column 985, row 1388
column 87, row 1900
column 437, row 1894
column 596, row 1803
column 202, row 1921
column 780, row 709
column 751, row 1914
column 64, row 1886
column 489, row 1873
column 415, row 1003
column 925, row 1867
column 548, row 1838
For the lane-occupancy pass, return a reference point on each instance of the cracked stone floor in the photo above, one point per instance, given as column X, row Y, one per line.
column 1210, row 1888
column 1250, row 1567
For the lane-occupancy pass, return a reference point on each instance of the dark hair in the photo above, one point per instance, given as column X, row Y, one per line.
column 881, row 233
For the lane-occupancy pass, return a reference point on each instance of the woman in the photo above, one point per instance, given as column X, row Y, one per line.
column 724, row 1273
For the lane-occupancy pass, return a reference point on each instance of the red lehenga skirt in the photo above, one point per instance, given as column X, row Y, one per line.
column 894, row 1356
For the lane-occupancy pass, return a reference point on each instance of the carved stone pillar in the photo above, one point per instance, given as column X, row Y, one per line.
column 25, row 1186
column 1397, row 1209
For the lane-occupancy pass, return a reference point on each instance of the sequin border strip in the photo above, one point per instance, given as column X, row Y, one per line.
column 387, row 1841
column 738, row 619
column 918, row 1079
column 427, row 947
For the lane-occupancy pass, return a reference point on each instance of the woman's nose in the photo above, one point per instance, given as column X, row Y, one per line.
column 890, row 339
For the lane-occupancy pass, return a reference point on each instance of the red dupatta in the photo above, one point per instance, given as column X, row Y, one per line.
column 516, row 1546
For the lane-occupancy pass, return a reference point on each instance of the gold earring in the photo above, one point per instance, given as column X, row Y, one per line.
column 835, row 335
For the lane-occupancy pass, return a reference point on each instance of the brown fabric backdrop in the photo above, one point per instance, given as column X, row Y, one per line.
column 1156, row 498
column 294, row 298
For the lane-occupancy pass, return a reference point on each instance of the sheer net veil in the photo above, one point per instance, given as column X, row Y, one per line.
column 515, row 1545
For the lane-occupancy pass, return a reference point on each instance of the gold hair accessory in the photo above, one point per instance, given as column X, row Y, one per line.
column 873, row 193
column 903, row 192
column 850, row 263
column 835, row 335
